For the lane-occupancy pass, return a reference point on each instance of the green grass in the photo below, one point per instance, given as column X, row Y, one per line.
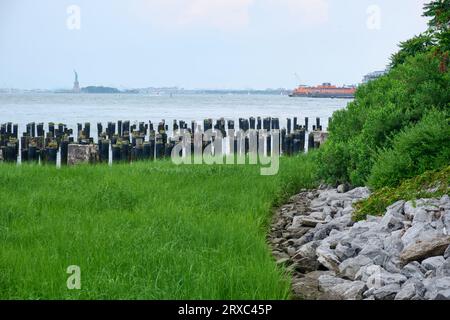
column 143, row 231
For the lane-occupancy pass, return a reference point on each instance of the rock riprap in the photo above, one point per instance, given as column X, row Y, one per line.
column 404, row 255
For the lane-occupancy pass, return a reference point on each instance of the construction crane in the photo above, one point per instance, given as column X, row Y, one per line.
column 299, row 80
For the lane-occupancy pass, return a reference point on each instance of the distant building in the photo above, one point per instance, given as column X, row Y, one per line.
column 76, row 84
column 373, row 75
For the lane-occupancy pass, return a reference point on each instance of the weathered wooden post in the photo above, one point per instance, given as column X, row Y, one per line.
column 159, row 147
column 51, row 129
column 116, row 153
column 119, row 128
column 33, row 155
column 126, row 129
column 10, row 154
column 64, row 151
column 16, row 131
column 147, row 151
column 99, row 129
column 283, row 140
column 139, row 152
column 311, row 141
column 125, row 151
column 51, row 153
column 266, row 124
column 252, row 123
column 289, row 144
column 103, row 146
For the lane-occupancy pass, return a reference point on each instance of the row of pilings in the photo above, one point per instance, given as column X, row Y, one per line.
column 123, row 141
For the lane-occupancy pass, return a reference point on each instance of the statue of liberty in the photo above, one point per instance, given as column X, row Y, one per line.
column 76, row 84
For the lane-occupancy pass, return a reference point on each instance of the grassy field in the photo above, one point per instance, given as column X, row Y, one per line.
column 143, row 231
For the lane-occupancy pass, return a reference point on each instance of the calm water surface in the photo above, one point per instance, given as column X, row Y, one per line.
column 71, row 109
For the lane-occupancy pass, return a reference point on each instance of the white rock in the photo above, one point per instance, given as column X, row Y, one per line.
column 365, row 272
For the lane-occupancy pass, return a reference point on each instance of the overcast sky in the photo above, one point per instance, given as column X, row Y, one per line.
column 200, row 43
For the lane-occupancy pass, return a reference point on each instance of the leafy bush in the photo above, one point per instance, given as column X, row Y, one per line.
column 334, row 155
column 382, row 109
column 419, row 148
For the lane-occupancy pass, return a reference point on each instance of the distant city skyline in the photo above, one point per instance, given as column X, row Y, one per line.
column 200, row 44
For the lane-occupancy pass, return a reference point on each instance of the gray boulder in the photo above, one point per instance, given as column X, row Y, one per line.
column 447, row 253
column 350, row 267
column 305, row 257
column 414, row 270
column 437, row 288
column 397, row 207
column 384, row 278
column 444, row 202
column 444, row 269
column 393, row 244
column 327, row 258
column 339, row 289
column 344, row 252
column 433, row 263
column 393, row 264
column 420, row 232
column 411, row 289
column 422, row 216
column 359, row 193
column 387, row 292
column 375, row 254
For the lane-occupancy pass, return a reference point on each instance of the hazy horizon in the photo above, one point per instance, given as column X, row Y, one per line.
column 200, row 44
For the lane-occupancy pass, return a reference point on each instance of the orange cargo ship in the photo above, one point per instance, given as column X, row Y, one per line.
column 326, row 90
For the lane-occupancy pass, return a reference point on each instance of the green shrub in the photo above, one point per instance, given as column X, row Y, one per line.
column 381, row 109
column 425, row 146
column 335, row 156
